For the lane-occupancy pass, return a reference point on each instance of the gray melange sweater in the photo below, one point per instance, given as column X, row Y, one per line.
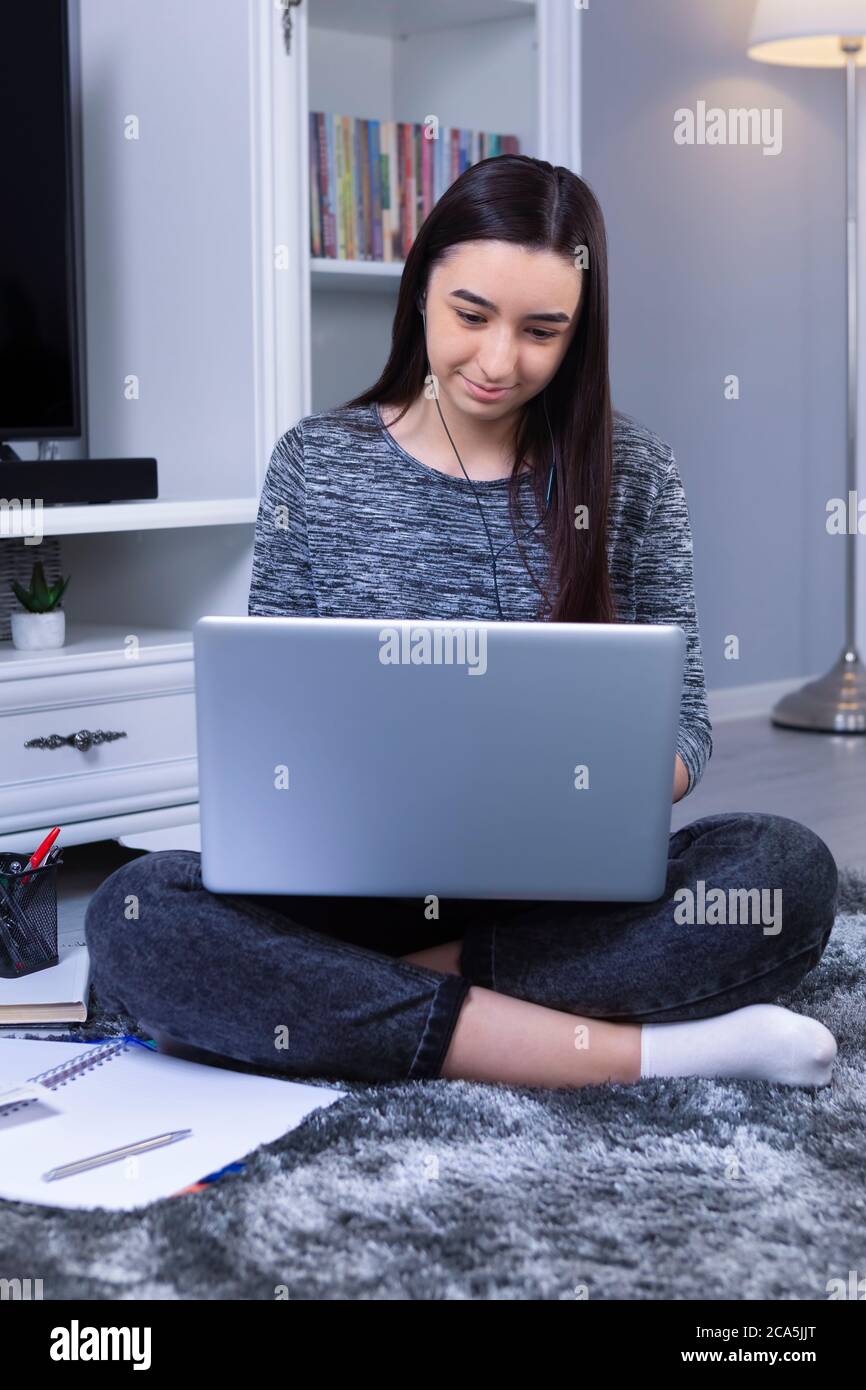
column 365, row 530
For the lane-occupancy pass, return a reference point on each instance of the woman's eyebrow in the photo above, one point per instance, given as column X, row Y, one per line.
column 473, row 298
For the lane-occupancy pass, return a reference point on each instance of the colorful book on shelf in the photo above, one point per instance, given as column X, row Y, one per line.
column 373, row 182
column 317, row 182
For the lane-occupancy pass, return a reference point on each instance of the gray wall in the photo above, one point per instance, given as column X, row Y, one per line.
column 725, row 260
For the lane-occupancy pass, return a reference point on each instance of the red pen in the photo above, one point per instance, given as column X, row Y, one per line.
column 40, row 852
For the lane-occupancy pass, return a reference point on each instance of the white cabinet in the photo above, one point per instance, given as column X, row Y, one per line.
column 128, row 708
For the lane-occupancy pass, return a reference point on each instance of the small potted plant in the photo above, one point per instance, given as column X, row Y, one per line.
column 43, row 623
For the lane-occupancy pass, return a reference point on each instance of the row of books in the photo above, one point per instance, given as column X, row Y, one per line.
column 372, row 183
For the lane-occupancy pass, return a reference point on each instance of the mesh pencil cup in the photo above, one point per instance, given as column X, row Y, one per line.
column 28, row 916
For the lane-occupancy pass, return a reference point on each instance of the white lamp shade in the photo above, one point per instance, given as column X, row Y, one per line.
column 806, row 33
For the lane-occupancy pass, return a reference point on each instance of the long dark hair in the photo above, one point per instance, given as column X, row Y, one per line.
column 515, row 198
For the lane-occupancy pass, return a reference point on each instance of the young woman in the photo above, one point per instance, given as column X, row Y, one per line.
column 453, row 488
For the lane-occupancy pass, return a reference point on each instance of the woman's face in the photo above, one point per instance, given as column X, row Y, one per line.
column 499, row 316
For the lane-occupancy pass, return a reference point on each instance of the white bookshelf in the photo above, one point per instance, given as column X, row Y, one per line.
column 71, row 520
column 367, row 276
column 400, row 18
column 231, row 347
column 507, row 66
column 95, row 646
column 185, row 316
column 487, row 65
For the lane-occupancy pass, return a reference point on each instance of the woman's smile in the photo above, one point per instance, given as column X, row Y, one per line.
column 484, row 393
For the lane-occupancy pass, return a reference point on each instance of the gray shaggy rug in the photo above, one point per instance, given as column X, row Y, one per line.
column 665, row 1190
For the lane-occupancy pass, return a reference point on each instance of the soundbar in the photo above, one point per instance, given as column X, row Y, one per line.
column 78, row 480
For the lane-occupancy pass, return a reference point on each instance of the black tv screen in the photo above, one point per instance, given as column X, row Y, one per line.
column 39, row 385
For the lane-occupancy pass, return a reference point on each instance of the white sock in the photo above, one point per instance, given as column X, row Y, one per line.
column 761, row 1041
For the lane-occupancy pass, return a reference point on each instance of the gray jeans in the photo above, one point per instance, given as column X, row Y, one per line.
column 315, row 987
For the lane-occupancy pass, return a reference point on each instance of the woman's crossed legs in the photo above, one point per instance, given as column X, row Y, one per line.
column 748, row 907
column 547, row 993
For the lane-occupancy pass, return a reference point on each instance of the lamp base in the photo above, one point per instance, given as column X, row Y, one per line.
column 834, row 704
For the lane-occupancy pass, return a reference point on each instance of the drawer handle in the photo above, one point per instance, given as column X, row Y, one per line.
column 82, row 740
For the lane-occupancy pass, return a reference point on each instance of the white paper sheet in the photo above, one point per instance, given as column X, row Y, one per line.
column 133, row 1096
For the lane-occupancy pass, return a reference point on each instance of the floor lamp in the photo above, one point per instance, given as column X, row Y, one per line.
column 828, row 34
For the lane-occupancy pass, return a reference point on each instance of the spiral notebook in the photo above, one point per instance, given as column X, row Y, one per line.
column 88, row 1098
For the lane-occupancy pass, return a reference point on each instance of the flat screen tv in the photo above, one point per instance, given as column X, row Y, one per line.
column 39, row 349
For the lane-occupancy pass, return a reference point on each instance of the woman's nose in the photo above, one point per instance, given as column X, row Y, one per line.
column 498, row 358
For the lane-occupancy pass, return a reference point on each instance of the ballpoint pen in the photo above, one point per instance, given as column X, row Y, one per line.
column 41, row 850
column 11, row 913
column 83, row 1165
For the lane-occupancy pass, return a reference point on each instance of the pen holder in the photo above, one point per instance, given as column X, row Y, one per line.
column 28, row 916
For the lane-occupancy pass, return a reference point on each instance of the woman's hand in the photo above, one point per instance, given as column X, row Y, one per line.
column 681, row 778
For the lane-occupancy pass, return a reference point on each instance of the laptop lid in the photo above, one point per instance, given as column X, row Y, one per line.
column 352, row 756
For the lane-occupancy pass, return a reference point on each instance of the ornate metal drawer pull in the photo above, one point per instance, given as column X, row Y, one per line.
column 82, row 740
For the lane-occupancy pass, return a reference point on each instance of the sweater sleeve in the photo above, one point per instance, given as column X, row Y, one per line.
column 281, row 584
column 664, row 593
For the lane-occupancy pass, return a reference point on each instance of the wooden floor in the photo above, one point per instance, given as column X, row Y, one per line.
column 819, row 779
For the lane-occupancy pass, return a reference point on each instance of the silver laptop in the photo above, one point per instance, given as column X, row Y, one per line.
column 351, row 756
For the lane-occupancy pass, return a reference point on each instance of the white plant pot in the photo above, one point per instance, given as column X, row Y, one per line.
column 34, row 631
